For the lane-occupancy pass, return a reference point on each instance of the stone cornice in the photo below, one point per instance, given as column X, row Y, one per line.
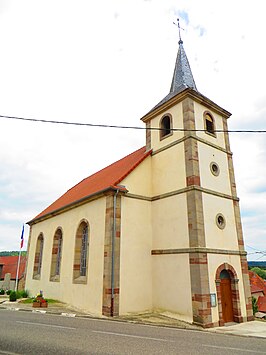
column 197, row 250
column 84, row 200
column 181, row 191
column 178, row 141
column 195, row 95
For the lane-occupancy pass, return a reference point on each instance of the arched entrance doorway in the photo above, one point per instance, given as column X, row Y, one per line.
column 228, row 295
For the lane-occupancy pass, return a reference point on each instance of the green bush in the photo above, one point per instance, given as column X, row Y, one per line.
column 2, row 292
column 8, row 292
column 13, row 296
column 259, row 271
column 18, row 293
column 254, row 305
column 23, row 294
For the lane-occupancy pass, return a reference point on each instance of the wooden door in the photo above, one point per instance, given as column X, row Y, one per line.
column 226, row 297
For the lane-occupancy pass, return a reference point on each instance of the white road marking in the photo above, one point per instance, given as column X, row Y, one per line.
column 45, row 325
column 131, row 336
column 235, row 349
column 68, row 315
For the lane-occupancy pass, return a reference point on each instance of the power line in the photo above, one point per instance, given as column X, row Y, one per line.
column 256, row 250
column 262, row 253
column 260, row 257
column 127, row 127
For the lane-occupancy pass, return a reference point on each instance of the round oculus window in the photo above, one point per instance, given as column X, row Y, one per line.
column 215, row 168
column 220, row 221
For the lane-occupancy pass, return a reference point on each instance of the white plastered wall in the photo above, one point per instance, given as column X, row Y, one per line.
column 160, row 224
column 177, row 122
column 214, row 261
column 169, row 223
column 215, row 237
column 218, row 122
column 207, row 155
column 168, row 170
column 135, row 256
column 172, row 286
column 139, row 180
column 136, row 242
column 83, row 296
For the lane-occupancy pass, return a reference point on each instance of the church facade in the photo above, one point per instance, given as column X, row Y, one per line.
column 159, row 230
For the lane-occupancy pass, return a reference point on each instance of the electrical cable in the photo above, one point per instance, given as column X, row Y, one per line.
column 128, row 127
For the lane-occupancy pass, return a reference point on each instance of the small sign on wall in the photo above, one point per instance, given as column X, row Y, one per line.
column 213, row 300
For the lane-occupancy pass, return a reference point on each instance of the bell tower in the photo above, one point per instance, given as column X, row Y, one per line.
column 197, row 233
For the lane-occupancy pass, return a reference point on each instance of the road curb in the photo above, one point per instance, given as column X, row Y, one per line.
column 87, row 316
column 38, row 311
column 133, row 321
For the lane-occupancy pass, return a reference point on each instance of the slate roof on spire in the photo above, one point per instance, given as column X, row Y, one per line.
column 182, row 77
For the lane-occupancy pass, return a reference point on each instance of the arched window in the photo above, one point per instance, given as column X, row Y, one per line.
column 209, row 123
column 165, row 126
column 38, row 257
column 80, row 267
column 56, row 255
column 224, row 274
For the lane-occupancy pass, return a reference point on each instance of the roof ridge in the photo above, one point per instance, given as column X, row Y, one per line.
column 105, row 168
column 134, row 166
column 102, row 180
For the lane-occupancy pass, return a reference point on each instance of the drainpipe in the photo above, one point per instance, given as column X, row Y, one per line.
column 113, row 256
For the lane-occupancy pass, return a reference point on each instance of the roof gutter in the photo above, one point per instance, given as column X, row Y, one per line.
column 119, row 188
column 75, row 204
column 113, row 254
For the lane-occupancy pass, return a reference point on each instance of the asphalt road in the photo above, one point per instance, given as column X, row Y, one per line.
column 31, row 333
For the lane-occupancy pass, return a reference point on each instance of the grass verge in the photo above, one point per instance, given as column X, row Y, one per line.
column 30, row 300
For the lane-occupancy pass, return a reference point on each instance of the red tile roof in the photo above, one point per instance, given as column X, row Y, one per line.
column 10, row 266
column 107, row 178
column 257, row 284
column 262, row 304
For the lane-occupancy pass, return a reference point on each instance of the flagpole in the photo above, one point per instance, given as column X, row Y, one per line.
column 21, row 245
column 16, row 286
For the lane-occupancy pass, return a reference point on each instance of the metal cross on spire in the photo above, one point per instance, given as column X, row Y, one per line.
column 179, row 28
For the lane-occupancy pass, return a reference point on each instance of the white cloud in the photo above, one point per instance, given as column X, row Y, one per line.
column 10, row 237
column 110, row 62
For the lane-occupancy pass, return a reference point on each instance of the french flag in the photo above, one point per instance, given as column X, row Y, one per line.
column 22, row 237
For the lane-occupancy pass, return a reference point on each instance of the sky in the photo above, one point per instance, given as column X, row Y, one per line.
column 109, row 62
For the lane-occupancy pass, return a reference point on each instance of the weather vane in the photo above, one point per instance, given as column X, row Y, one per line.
column 179, row 28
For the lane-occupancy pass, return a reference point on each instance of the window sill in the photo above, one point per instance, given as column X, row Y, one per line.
column 166, row 136
column 55, row 278
column 80, row 280
column 211, row 134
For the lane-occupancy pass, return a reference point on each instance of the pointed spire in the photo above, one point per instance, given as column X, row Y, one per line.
column 182, row 77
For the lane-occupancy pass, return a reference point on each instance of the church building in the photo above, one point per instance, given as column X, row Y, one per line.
column 159, row 230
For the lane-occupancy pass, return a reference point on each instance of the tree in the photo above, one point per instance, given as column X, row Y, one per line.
column 12, row 253
column 254, row 305
column 260, row 272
